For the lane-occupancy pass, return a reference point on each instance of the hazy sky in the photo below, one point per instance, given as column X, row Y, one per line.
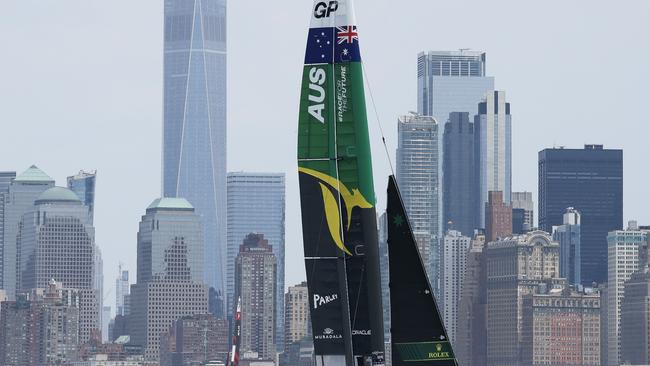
column 81, row 88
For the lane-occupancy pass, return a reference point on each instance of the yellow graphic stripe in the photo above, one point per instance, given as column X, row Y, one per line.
column 352, row 199
column 333, row 217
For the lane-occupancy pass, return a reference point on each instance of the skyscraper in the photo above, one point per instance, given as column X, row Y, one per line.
column 166, row 222
column 194, row 129
column 493, row 131
column 170, row 248
column 122, row 289
column 459, row 203
column 23, row 191
column 194, row 340
column 382, row 227
column 568, row 235
column 591, row 181
column 635, row 319
column 256, row 204
column 451, row 81
column 83, row 185
column 417, row 174
column 5, row 182
column 255, row 277
column 56, row 242
column 623, row 254
column 454, row 260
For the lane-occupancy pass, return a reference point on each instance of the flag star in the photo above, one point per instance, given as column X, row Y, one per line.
column 322, row 33
column 328, row 42
column 322, row 56
column 318, row 41
column 345, row 51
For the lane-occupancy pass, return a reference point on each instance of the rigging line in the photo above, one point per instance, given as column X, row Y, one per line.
column 374, row 107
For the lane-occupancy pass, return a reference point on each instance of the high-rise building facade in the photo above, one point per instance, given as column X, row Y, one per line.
column 568, row 235
column 256, row 204
column 635, row 319
column 296, row 313
column 623, row 256
column 194, row 128
column 170, row 249
column 382, row 227
column 524, row 201
column 41, row 328
column 23, row 191
column 166, row 222
column 57, row 242
column 516, row 267
column 418, row 162
column 493, row 154
column 562, row 327
column 459, row 203
column 591, row 181
column 471, row 333
column 255, row 277
column 451, row 81
column 454, row 259
column 5, row 182
column 122, row 289
column 83, row 185
column 498, row 217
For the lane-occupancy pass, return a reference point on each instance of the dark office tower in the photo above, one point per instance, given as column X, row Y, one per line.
column 458, row 175
column 591, row 181
column 498, row 217
column 194, row 128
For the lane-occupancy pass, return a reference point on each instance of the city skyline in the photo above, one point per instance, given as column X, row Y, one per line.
column 135, row 181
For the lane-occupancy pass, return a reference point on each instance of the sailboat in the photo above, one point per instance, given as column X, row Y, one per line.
column 339, row 218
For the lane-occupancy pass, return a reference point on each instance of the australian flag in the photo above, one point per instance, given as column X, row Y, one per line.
column 333, row 45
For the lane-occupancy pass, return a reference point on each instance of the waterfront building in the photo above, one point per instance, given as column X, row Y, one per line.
column 195, row 340
column 296, row 313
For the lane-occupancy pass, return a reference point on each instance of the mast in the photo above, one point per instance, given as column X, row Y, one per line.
column 337, row 193
column 418, row 336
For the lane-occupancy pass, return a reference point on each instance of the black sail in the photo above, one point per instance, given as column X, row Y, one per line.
column 418, row 335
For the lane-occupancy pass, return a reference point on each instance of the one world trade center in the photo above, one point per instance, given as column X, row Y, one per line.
column 194, row 128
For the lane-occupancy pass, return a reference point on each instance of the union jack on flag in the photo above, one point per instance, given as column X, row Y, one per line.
column 347, row 34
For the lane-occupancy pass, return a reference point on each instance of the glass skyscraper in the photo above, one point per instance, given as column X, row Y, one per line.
column 493, row 157
column 194, row 134
column 256, row 204
column 5, row 181
column 591, row 181
column 83, row 185
column 418, row 153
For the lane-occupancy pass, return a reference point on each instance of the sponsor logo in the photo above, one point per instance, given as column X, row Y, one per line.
column 328, row 333
column 361, row 332
column 324, row 300
column 351, row 198
column 324, row 10
column 317, row 77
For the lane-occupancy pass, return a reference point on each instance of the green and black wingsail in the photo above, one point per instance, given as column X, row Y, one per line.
column 337, row 194
column 418, row 335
